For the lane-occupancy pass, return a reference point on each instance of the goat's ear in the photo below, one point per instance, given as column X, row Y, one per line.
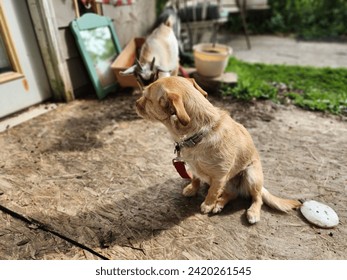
column 129, row 71
column 152, row 63
column 195, row 84
column 177, row 105
column 138, row 64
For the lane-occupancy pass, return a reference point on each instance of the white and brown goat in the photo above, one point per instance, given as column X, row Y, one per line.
column 159, row 56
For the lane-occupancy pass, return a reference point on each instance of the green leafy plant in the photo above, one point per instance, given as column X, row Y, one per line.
column 322, row 89
column 308, row 19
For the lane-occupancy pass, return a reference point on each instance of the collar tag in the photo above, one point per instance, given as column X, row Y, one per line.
column 181, row 168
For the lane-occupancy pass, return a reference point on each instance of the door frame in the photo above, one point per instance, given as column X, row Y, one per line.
column 46, row 27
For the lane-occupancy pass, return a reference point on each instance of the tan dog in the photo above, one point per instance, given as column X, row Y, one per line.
column 218, row 150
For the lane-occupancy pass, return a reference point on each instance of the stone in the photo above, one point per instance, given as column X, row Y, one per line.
column 319, row 214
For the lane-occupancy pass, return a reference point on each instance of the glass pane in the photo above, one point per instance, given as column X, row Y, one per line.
column 100, row 46
column 5, row 64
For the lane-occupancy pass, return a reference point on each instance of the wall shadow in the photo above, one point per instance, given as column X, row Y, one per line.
column 79, row 130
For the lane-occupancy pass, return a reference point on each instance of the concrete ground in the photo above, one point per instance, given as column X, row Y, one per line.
column 287, row 50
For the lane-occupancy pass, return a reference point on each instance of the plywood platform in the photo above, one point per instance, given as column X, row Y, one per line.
column 96, row 173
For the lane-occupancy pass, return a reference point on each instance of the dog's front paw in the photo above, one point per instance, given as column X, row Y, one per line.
column 217, row 208
column 189, row 190
column 253, row 216
column 214, row 208
column 207, row 208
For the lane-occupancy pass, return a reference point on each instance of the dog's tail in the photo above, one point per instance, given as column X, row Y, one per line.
column 277, row 203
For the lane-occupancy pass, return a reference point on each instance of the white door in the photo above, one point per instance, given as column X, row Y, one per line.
column 23, row 79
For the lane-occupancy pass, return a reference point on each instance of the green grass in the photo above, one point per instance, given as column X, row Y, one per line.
column 306, row 19
column 321, row 89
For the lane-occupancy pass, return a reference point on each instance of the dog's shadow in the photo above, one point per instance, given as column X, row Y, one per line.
column 234, row 206
column 241, row 205
column 237, row 205
column 130, row 218
column 138, row 216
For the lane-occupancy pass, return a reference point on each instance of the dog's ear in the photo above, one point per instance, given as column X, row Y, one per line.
column 204, row 93
column 176, row 103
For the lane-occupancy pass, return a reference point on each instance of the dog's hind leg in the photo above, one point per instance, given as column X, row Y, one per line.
column 252, row 183
column 192, row 188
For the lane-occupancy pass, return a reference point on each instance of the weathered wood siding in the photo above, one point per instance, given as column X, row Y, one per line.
column 129, row 21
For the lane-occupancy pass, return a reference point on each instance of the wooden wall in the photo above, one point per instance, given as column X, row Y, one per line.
column 129, row 21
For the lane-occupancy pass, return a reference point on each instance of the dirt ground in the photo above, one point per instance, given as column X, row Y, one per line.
column 93, row 172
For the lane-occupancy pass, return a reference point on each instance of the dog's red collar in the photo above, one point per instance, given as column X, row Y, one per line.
column 180, row 166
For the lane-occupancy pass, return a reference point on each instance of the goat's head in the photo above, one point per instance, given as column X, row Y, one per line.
column 145, row 73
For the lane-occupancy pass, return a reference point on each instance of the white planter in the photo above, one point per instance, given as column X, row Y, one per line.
column 211, row 60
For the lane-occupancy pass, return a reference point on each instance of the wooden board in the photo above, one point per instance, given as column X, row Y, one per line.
column 20, row 242
column 212, row 84
column 97, row 173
